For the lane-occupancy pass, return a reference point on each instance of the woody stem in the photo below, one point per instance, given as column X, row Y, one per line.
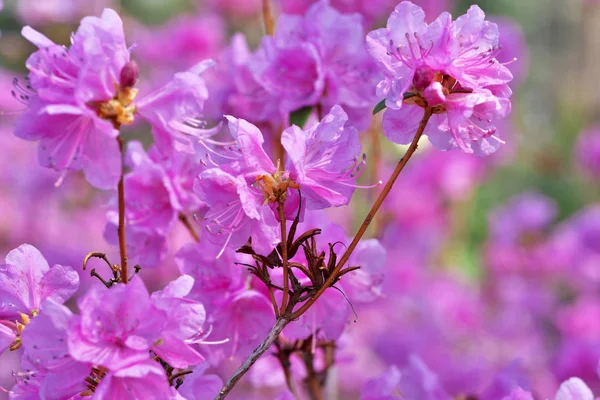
column 284, row 257
column 121, row 228
column 188, row 225
column 369, row 218
column 268, row 17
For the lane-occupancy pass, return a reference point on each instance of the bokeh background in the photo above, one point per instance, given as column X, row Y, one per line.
column 493, row 264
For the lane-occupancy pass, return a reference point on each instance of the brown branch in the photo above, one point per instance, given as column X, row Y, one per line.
column 375, row 156
column 259, row 351
column 188, row 225
column 312, row 380
column 273, row 301
column 369, row 218
column 179, row 375
column 121, row 228
column 283, row 355
column 284, row 257
column 268, row 17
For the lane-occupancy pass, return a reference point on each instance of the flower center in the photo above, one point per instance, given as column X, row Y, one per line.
column 274, row 187
column 120, row 109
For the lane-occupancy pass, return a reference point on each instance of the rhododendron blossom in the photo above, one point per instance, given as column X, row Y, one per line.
column 78, row 97
column 447, row 66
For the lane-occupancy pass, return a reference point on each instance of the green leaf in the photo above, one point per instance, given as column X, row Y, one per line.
column 300, row 116
column 379, row 107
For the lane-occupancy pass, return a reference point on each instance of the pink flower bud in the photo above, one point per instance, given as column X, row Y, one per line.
column 129, row 74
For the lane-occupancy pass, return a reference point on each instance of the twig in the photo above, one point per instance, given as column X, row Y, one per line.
column 363, row 228
column 268, row 17
column 259, row 351
column 179, row 375
column 283, row 355
column 273, row 301
column 376, row 157
column 121, row 228
column 188, row 225
column 312, row 378
column 284, row 257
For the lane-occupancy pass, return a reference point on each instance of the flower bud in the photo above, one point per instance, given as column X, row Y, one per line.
column 129, row 74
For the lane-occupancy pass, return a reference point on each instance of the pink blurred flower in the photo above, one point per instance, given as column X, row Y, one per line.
column 587, row 151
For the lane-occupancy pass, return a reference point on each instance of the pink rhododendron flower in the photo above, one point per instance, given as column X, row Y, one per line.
column 185, row 321
column 213, row 277
column 200, row 386
column 79, row 96
column 324, row 160
column 64, row 87
column 449, row 66
column 244, row 317
column 139, row 381
column 101, row 337
column 26, row 280
column 236, row 212
column 587, row 151
column 46, row 349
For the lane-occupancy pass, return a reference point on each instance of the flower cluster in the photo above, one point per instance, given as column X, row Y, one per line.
column 124, row 342
column 236, row 205
column 78, row 97
column 242, row 193
column 448, row 67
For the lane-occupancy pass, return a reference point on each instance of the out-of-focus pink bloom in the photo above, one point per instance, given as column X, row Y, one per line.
column 447, row 65
column 579, row 320
column 384, row 387
column 371, row 10
column 244, row 317
column 574, row 247
column 574, row 389
column 182, row 43
column 326, row 319
column 213, row 277
column 178, row 101
column 238, row 8
column 415, row 381
column 40, row 12
column 201, row 386
column 528, row 212
column 506, row 382
column 514, row 50
column 519, row 394
column 364, row 285
column 318, row 58
column 517, row 232
column 587, row 151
